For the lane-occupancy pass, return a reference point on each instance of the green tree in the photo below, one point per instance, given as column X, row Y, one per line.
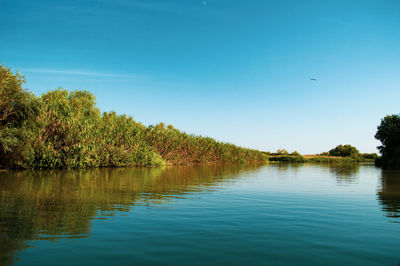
column 389, row 135
column 282, row 152
column 295, row 153
column 344, row 151
column 18, row 108
column 12, row 96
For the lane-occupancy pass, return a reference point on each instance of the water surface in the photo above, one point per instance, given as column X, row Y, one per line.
column 197, row 215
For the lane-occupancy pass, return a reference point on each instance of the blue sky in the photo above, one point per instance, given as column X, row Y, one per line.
column 237, row 71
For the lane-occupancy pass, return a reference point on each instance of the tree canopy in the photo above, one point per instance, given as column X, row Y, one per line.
column 344, row 151
column 388, row 134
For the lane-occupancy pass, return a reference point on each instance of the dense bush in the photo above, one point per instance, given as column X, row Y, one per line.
column 64, row 129
column 179, row 147
column 287, row 158
column 340, row 154
column 295, row 153
column 313, row 159
column 18, row 126
column 332, row 160
column 389, row 135
column 369, row 156
column 344, row 151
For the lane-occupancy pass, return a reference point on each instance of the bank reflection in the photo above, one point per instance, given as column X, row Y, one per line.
column 61, row 204
column 345, row 173
column 389, row 193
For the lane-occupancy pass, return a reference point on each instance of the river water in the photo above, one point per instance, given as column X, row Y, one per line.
column 273, row 214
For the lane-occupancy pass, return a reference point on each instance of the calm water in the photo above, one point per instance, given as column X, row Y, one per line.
column 257, row 215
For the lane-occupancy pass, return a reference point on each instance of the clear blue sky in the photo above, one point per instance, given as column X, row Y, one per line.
column 238, row 71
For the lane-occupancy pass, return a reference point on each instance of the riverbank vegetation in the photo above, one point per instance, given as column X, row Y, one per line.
column 62, row 129
column 339, row 154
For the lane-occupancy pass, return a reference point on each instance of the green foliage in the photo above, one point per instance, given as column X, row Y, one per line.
column 369, row 156
column 282, row 152
column 389, row 135
column 178, row 147
column 287, row 158
column 331, row 160
column 342, row 154
column 12, row 97
column 344, row 151
column 296, row 157
column 64, row 129
column 314, row 159
column 18, row 110
column 295, row 153
column 122, row 142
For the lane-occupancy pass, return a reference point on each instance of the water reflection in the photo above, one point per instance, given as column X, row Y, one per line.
column 389, row 194
column 345, row 173
column 61, row 204
column 48, row 205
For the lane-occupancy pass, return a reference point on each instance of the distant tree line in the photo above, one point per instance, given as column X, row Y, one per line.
column 388, row 134
column 339, row 154
column 62, row 129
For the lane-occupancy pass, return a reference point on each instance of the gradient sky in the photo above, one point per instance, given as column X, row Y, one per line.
column 238, row 71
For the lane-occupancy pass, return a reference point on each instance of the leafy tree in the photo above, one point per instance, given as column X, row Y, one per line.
column 344, row 151
column 18, row 109
column 12, row 96
column 389, row 135
column 282, row 152
column 295, row 153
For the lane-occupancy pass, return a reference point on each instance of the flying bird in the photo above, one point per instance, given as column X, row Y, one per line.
column 313, row 79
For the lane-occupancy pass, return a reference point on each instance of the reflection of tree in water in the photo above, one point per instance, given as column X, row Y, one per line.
column 286, row 169
column 288, row 166
column 389, row 194
column 52, row 204
column 344, row 173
